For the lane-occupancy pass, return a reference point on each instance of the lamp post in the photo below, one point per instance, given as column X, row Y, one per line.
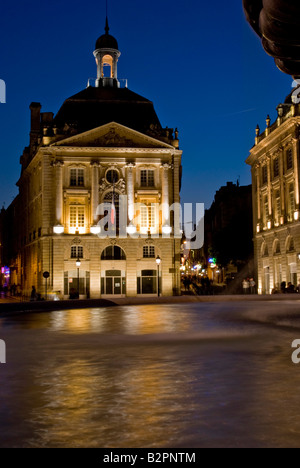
column 78, row 263
column 46, row 275
column 158, row 262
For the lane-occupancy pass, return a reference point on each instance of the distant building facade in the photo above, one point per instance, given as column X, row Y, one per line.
column 274, row 162
column 229, row 231
column 104, row 143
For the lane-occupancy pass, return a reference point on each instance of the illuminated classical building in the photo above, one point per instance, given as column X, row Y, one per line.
column 275, row 163
column 105, row 142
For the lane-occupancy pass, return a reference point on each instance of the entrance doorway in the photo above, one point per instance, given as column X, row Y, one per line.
column 293, row 273
column 71, row 286
column 267, row 280
column 114, row 283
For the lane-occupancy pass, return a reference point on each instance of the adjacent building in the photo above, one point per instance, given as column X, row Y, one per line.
column 229, row 233
column 104, row 146
column 274, row 162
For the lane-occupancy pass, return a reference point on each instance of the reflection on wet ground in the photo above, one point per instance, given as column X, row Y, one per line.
column 192, row 375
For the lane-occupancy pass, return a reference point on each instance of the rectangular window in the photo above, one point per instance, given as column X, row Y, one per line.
column 73, row 177
column 76, row 216
column 266, row 209
column 289, row 159
column 147, row 178
column 80, row 216
column 147, row 282
column 276, row 168
column 76, row 251
column 144, row 217
column 291, row 201
column 73, row 216
column 147, row 216
column 149, row 251
column 264, row 175
column 77, row 177
column 278, row 206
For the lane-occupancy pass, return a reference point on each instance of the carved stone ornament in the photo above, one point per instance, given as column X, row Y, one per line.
column 113, row 140
column 76, row 241
column 119, row 186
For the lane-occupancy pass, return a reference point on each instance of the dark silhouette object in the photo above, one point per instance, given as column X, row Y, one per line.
column 283, row 287
column 33, row 295
column 277, row 22
column 291, row 288
column 252, row 286
column 73, row 294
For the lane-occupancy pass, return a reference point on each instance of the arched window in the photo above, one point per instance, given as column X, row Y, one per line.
column 113, row 252
column 276, row 247
column 290, row 244
column 107, row 66
column 265, row 250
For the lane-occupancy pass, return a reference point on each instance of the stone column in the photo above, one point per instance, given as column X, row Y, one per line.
column 269, row 188
column 282, row 184
column 59, row 191
column 296, row 169
column 115, row 66
column 165, row 195
column 258, row 193
column 130, row 191
column 95, row 191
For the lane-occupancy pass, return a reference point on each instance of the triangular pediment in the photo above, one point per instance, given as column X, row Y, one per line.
column 112, row 135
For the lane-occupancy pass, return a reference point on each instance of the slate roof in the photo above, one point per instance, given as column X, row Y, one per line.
column 94, row 107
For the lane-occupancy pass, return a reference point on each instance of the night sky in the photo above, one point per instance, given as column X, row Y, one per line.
column 198, row 61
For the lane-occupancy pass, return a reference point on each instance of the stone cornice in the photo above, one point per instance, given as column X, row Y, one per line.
column 274, row 139
column 72, row 149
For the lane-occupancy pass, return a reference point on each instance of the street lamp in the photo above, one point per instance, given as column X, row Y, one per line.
column 158, row 262
column 58, row 229
column 96, row 229
column 78, row 263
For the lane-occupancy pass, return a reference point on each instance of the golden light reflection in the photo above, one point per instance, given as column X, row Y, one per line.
column 126, row 320
column 106, row 404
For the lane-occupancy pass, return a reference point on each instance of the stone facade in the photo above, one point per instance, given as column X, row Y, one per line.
column 274, row 162
column 113, row 146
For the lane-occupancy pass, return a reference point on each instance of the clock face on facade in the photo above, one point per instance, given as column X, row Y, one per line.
column 112, row 176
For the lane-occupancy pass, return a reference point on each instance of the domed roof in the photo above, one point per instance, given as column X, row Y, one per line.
column 107, row 41
column 94, row 107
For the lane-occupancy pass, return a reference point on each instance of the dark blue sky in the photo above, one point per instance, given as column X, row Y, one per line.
column 198, row 61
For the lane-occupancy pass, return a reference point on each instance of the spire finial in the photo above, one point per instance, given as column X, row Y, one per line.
column 106, row 24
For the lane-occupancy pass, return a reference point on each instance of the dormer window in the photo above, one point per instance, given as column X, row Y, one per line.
column 76, row 177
